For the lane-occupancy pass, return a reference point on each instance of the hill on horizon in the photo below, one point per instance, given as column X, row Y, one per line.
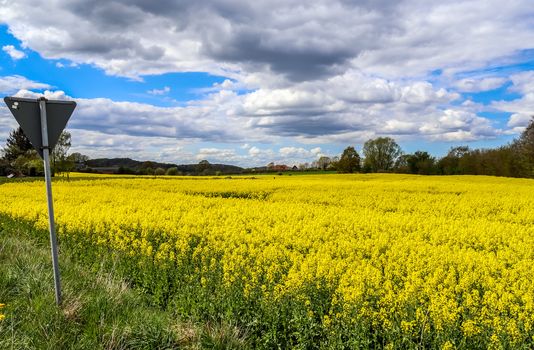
column 128, row 165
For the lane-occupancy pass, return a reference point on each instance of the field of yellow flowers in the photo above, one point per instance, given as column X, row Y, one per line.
column 317, row 261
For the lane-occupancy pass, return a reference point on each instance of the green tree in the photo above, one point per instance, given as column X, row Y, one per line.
column 77, row 161
column 349, row 162
column 450, row 164
column 79, row 158
column 148, row 171
column 323, row 162
column 203, row 167
column 381, row 154
column 28, row 163
column 59, row 156
column 159, row 171
column 421, row 163
column 35, row 166
column 17, row 144
column 19, row 156
column 5, row 167
column 401, row 164
column 172, row 171
column 125, row 170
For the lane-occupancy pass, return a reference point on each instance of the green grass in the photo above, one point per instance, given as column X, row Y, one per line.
column 99, row 310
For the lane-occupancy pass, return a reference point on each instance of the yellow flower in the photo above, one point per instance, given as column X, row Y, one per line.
column 407, row 327
column 386, row 248
column 470, row 328
column 448, row 346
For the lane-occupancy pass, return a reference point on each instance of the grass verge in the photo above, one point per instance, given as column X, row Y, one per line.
column 99, row 310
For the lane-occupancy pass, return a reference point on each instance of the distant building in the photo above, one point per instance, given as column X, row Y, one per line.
column 280, row 167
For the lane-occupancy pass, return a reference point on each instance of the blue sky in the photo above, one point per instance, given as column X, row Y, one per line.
column 243, row 85
column 88, row 81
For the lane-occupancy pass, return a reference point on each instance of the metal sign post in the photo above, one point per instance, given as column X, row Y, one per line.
column 48, row 180
column 43, row 121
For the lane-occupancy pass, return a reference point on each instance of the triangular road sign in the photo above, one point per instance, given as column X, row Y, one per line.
column 28, row 114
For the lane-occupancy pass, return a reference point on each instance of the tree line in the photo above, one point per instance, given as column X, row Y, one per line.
column 383, row 154
column 18, row 157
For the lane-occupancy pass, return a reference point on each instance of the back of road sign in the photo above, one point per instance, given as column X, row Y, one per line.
column 27, row 113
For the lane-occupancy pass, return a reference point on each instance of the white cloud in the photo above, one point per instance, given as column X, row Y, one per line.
column 295, row 155
column 299, row 41
column 12, row 83
column 519, row 120
column 522, row 109
column 65, row 65
column 52, row 95
column 163, row 91
column 216, row 154
column 194, row 122
column 424, row 92
column 13, row 52
column 316, row 151
column 254, row 151
column 458, row 125
column 219, row 119
column 310, row 73
column 101, row 145
column 7, row 123
column 399, row 127
column 258, row 157
column 295, row 152
column 478, row 85
column 102, row 127
column 523, row 82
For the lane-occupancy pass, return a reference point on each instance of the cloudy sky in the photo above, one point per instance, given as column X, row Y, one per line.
column 249, row 82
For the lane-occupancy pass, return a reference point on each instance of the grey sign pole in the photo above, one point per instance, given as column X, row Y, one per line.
column 48, row 179
column 43, row 121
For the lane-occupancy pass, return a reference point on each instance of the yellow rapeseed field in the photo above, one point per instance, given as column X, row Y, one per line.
column 331, row 260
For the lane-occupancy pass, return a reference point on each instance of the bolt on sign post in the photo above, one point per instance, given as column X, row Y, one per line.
column 43, row 121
